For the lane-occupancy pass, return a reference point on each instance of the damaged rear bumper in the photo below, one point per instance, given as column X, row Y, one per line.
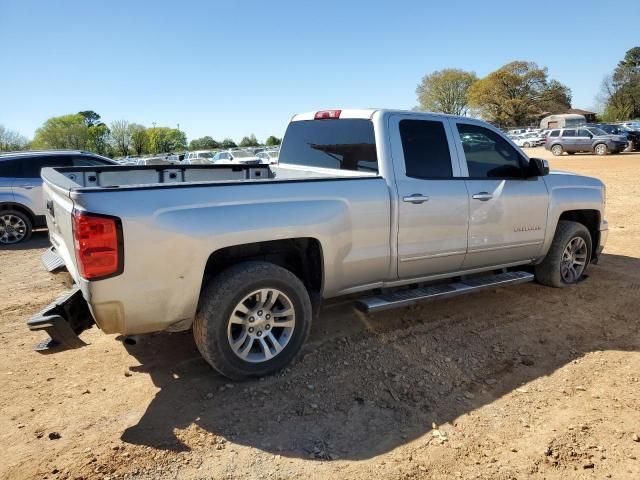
column 63, row 320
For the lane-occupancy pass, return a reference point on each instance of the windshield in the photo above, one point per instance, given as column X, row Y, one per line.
column 273, row 154
column 597, row 131
column 205, row 155
column 241, row 154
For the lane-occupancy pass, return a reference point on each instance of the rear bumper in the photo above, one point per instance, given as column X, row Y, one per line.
column 63, row 320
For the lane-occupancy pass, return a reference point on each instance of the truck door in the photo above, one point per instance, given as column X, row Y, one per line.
column 433, row 207
column 507, row 209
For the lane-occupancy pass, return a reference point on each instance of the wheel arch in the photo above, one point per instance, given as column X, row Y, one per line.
column 590, row 219
column 301, row 256
column 20, row 208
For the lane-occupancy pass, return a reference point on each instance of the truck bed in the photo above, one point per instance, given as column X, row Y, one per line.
column 116, row 176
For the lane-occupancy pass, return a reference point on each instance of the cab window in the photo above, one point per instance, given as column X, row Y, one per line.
column 488, row 154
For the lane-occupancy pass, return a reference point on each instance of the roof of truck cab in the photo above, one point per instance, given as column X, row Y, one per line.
column 367, row 113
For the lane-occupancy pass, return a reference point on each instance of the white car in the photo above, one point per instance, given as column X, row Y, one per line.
column 269, row 156
column 199, row 157
column 523, row 142
column 236, row 156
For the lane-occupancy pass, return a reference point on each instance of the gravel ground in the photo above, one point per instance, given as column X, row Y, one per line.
column 517, row 382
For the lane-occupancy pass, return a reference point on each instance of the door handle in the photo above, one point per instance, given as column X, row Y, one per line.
column 415, row 198
column 26, row 187
column 482, row 196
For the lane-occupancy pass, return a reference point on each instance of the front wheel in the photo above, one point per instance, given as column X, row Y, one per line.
column 568, row 256
column 601, row 149
column 252, row 319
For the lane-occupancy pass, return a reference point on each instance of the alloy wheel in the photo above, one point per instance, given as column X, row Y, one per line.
column 12, row 229
column 261, row 325
column 574, row 260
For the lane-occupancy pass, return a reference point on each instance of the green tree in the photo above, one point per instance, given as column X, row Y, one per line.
column 273, row 141
column 91, row 118
column 121, row 136
column 250, row 141
column 165, row 140
column 203, row 143
column 66, row 131
column 98, row 138
column 445, row 91
column 11, row 140
column 517, row 93
column 621, row 90
column 228, row 143
column 139, row 138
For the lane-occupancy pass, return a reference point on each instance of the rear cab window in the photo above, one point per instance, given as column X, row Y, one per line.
column 344, row 144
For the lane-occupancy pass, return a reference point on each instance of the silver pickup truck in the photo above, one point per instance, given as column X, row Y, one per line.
column 390, row 207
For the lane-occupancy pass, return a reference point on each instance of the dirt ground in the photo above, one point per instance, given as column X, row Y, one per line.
column 518, row 382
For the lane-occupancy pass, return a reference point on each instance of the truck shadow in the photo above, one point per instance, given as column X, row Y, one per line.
column 365, row 385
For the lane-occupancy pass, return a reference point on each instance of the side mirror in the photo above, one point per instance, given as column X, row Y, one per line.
column 538, row 167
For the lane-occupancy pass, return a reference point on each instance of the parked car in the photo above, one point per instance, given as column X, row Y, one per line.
column 633, row 125
column 383, row 204
column 206, row 155
column 21, row 206
column 153, row 161
column 584, row 139
column 632, row 136
column 268, row 156
column 236, row 155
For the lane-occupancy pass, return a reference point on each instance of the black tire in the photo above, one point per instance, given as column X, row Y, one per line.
column 26, row 233
column 600, row 149
column 526, row 145
column 220, row 297
column 548, row 271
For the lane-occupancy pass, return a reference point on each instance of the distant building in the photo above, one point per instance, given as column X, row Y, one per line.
column 589, row 116
column 563, row 120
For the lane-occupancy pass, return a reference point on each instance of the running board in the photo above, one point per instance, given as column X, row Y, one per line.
column 404, row 298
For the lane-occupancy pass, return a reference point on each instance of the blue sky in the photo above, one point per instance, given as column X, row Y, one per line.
column 227, row 69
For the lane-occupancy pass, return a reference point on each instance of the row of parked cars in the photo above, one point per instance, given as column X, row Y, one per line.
column 598, row 138
column 253, row 155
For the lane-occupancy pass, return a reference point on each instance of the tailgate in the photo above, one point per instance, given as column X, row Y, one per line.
column 59, row 213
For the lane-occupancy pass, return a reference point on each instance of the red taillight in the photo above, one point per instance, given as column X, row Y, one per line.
column 98, row 245
column 325, row 114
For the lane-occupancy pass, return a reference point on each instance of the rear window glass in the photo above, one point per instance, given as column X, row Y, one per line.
column 347, row 144
column 554, row 133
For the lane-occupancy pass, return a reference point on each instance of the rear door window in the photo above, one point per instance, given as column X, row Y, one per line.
column 345, row 144
column 425, row 148
column 9, row 168
column 31, row 167
column 87, row 161
column 569, row 133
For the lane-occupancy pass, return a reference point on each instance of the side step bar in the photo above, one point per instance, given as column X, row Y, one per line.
column 404, row 298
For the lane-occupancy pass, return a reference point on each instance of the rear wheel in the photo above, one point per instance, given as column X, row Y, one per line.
column 526, row 145
column 252, row 319
column 15, row 227
column 568, row 256
column 556, row 150
column 601, row 149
